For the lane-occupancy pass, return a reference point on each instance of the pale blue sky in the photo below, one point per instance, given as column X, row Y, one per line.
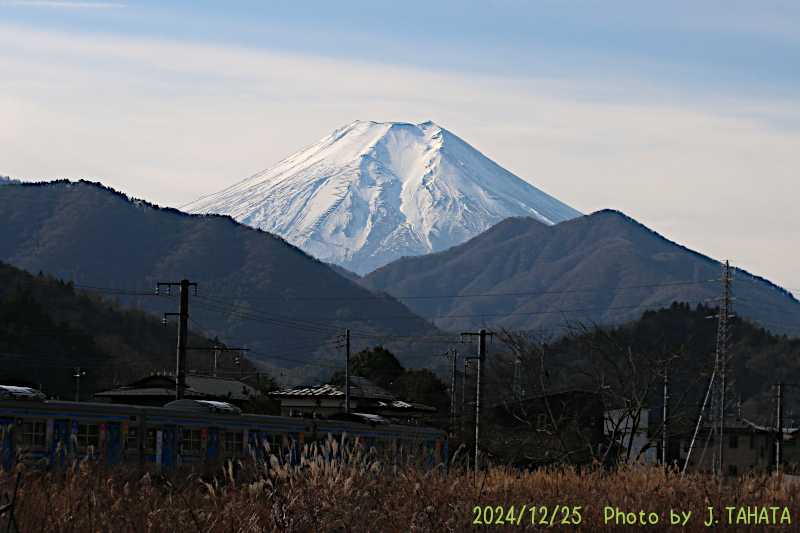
column 729, row 46
column 684, row 115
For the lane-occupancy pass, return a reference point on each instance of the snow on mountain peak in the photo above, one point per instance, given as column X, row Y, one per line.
column 372, row 192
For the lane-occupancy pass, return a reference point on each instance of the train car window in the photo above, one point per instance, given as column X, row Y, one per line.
column 234, row 442
column 293, row 445
column 191, row 440
column 271, row 444
column 275, row 443
column 88, row 435
column 133, row 437
column 349, row 445
column 254, row 446
column 381, row 445
column 150, row 441
column 33, row 433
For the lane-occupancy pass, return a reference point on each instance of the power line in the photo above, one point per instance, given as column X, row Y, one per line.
column 309, row 324
column 748, row 303
column 280, row 320
column 308, row 363
column 265, row 316
column 321, row 327
column 455, row 296
column 217, row 298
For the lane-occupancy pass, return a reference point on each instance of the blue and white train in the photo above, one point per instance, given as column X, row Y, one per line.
column 51, row 432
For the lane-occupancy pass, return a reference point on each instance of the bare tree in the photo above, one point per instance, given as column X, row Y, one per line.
column 538, row 416
column 583, row 397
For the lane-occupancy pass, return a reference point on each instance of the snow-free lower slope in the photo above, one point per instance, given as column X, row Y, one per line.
column 604, row 268
column 95, row 236
column 370, row 193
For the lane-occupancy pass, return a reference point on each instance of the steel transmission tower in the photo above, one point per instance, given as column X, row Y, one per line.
column 718, row 384
column 722, row 361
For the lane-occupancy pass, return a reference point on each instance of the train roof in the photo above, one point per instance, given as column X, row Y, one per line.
column 12, row 392
column 216, row 413
column 204, row 406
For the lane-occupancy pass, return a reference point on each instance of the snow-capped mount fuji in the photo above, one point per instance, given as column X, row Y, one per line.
column 370, row 193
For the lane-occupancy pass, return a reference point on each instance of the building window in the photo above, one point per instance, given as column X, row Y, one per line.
column 733, row 441
column 686, row 444
column 732, row 470
column 752, row 442
column 542, row 421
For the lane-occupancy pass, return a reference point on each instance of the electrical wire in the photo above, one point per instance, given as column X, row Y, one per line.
column 310, row 324
column 387, row 296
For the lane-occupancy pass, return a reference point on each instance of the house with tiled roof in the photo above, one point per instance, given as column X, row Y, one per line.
column 365, row 397
column 158, row 390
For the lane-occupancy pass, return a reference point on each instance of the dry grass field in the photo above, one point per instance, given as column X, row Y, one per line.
column 321, row 496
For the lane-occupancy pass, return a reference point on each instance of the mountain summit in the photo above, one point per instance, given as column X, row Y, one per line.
column 370, row 193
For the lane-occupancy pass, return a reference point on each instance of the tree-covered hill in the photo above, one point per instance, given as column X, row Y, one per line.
column 48, row 329
column 679, row 340
column 604, row 267
column 253, row 287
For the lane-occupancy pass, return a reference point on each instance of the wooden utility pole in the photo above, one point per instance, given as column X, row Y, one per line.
column 347, row 374
column 479, row 398
column 479, row 393
column 216, row 355
column 464, row 397
column 78, row 375
column 665, row 421
column 779, row 434
column 453, row 397
column 220, row 347
column 183, row 329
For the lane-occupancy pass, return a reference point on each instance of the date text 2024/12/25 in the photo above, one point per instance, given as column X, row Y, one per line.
column 565, row 515
column 498, row 515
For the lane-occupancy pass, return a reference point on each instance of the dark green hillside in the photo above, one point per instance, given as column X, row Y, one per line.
column 604, row 266
column 627, row 364
column 98, row 237
column 760, row 359
column 47, row 330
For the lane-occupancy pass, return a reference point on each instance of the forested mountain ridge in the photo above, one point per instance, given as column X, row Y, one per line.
column 604, row 267
column 759, row 359
column 253, row 287
column 48, row 329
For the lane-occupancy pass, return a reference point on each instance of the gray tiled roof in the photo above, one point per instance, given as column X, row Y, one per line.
column 312, row 390
column 400, row 404
column 368, row 389
column 360, row 388
column 196, row 387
